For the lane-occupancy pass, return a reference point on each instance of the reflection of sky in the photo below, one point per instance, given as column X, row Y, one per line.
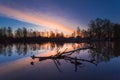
column 63, row 15
column 21, row 69
column 14, row 52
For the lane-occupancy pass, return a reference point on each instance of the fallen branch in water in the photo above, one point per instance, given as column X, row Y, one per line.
column 60, row 54
column 65, row 56
column 72, row 51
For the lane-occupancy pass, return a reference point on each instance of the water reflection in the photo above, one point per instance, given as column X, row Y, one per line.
column 23, row 49
column 75, row 61
column 104, row 51
column 67, row 56
column 97, row 52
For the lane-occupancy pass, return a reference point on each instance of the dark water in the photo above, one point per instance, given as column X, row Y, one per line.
column 98, row 61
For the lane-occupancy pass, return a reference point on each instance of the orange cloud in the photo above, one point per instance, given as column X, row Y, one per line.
column 32, row 18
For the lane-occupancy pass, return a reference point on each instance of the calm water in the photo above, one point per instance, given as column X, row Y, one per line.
column 98, row 61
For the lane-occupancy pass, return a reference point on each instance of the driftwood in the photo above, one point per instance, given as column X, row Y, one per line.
column 66, row 55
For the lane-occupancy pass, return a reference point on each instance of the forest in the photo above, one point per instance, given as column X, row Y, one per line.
column 98, row 30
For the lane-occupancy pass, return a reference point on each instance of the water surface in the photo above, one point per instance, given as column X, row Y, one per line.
column 99, row 61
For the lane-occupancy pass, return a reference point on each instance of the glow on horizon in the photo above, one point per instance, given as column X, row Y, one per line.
column 34, row 19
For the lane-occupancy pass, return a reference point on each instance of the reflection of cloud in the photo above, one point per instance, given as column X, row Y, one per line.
column 32, row 18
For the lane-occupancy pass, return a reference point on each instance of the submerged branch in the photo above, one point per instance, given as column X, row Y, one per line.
column 67, row 57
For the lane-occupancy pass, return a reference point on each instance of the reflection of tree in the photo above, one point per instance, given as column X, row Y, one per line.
column 9, row 50
column 23, row 49
column 6, row 50
column 67, row 56
column 104, row 51
column 98, row 52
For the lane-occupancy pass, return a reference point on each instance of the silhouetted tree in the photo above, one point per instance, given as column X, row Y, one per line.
column 52, row 34
column 18, row 33
column 78, row 32
column 24, row 32
column 4, row 32
column 9, row 32
column 101, row 29
column 84, row 33
column 73, row 34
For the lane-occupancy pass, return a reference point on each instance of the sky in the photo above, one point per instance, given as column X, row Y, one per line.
column 60, row 15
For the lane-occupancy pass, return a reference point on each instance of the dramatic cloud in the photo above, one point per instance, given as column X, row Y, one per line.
column 32, row 18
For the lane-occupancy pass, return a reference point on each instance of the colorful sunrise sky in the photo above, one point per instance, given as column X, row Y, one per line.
column 61, row 15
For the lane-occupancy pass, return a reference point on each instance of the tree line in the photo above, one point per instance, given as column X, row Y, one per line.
column 98, row 29
column 8, row 35
column 102, row 29
column 8, row 32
